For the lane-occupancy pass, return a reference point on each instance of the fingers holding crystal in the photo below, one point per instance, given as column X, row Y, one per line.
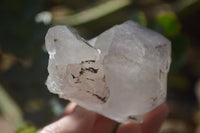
column 124, row 81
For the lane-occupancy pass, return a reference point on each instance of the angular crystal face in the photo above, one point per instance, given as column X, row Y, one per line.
column 121, row 74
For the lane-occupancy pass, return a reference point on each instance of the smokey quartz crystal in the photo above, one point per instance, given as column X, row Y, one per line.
column 121, row 74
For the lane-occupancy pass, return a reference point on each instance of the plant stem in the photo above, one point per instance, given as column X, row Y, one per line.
column 93, row 13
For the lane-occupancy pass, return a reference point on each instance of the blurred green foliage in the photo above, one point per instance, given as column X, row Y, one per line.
column 27, row 129
column 170, row 24
column 19, row 30
column 139, row 17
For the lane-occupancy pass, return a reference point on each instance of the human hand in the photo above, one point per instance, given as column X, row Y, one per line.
column 78, row 120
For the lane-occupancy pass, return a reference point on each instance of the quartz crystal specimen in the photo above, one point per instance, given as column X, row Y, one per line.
column 121, row 74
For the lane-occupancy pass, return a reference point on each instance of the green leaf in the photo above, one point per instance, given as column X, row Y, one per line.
column 169, row 23
column 27, row 129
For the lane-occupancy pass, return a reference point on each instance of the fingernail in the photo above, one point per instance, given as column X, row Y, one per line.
column 78, row 111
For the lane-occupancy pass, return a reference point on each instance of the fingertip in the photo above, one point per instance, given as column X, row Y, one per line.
column 151, row 124
column 103, row 125
column 161, row 112
column 154, row 119
column 129, row 128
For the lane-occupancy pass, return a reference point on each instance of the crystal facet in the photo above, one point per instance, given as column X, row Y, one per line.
column 121, row 74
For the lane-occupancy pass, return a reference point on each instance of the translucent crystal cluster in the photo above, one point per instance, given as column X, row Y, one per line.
column 121, row 74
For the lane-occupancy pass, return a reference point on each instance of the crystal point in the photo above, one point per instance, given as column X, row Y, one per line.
column 121, row 74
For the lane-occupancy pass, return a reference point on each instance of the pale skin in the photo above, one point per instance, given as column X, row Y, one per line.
column 78, row 120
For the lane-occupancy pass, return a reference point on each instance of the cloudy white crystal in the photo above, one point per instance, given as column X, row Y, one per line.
column 121, row 74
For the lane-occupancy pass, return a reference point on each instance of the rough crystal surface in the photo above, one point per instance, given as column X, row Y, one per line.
column 121, row 74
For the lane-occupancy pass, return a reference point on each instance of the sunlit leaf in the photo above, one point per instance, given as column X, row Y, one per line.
column 170, row 24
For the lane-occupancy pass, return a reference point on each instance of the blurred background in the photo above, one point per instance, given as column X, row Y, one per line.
column 26, row 104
